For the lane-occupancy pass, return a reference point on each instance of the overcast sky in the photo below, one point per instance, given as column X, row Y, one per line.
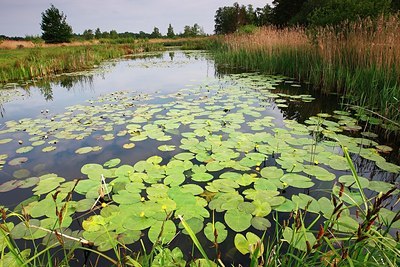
column 23, row 17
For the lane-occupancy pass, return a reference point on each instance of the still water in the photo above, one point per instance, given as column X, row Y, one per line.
column 181, row 106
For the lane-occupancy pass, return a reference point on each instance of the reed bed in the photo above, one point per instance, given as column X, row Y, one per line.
column 359, row 60
column 32, row 63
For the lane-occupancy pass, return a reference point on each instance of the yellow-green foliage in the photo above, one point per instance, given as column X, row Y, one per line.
column 29, row 63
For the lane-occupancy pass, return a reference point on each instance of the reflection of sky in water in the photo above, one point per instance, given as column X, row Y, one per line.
column 163, row 74
column 148, row 75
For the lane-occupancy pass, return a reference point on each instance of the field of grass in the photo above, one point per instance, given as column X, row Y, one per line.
column 359, row 60
column 30, row 63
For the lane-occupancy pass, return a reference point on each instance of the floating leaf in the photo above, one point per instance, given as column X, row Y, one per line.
column 84, row 150
column 260, row 223
column 298, row 238
column 166, row 229
column 128, row 146
column 49, row 149
column 320, row 173
column 297, row 180
column 9, row 185
column 249, row 244
column 166, row 148
column 237, row 220
column 384, row 149
column 271, row 172
column 112, row 163
column 218, row 228
column 18, row 161
column 24, row 149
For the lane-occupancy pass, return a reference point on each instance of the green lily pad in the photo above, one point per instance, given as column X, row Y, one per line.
column 166, row 148
column 167, row 230
column 112, row 163
column 249, row 244
column 128, row 145
column 5, row 141
column 298, row 238
column 237, row 220
column 349, row 181
column 202, row 177
column 387, row 166
column 184, row 156
column 216, row 232
column 271, row 172
column 24, row 149
column 84, row 150
column 297, row 180
column 260, row 223
column 49, row 149
column 320, row 173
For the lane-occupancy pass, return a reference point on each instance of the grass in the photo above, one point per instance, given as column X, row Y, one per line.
column 32, row 63
column 42, row 61
column 360, row 60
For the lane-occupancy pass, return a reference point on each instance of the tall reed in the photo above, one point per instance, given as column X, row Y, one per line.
column 360, row 60
column 30, row 63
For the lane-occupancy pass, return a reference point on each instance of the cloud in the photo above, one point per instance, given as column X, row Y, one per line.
column 22, row 17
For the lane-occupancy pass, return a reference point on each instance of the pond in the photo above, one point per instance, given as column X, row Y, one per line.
column 142, row 140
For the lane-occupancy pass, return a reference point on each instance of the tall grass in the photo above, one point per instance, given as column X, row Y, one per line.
column 360, row 60
column 30, row 63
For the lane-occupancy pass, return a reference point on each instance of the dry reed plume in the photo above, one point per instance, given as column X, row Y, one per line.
column 359, row 59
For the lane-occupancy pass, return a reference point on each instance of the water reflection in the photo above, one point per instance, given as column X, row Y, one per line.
column 171, row 55
column 140, row 72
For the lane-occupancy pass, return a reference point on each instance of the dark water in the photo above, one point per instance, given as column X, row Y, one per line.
column 156, row 74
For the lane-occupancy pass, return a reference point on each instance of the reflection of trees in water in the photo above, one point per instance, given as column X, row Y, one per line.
column 65, row 81
column 146, row 56
column 171, row 55
column 2, row 110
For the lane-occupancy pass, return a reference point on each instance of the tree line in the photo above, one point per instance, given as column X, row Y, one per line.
column 282, row 13
column 188, row 31
column 55, row 29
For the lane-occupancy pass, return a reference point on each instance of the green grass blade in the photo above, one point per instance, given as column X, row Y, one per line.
column 195, row 240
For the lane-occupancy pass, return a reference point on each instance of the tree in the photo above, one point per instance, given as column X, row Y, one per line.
column 187, row 31
column 229, row 19
column 334, row 12
column 225, row 20
column 170, row 32
column 395, row 5
column 97, row 33
column 263, row 15
column 113, row 34
column 156, row 33
column 54, row 26
column 88, row 34
column 285, row 10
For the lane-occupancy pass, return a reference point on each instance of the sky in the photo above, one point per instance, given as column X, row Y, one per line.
column 23, row 17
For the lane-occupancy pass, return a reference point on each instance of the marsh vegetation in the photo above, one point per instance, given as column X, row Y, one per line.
column 267, row 150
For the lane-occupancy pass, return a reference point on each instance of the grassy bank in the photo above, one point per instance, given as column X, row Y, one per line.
column 360, row 60
column 30, row 63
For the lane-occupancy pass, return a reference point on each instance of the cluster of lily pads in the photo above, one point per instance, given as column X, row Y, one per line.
column 226, row 158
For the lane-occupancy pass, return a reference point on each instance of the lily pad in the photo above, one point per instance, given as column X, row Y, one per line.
column 237, row 220
column 297, row 180
column 216, row 232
